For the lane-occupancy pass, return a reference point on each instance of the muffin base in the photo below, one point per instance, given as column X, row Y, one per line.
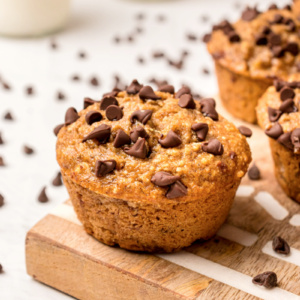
column 150, row 227
column 239, row 93
column 287, row 169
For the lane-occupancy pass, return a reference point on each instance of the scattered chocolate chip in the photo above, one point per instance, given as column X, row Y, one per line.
column 104, row 167
column 92, row 117
column 88, row 101
column 213, row 146
column 295, row 138
column 201, row 130
column 253, row 172
column 177, row 64
column 141, row 60
column 6, row 86
column 60, row 96
column 143, row 116
column 274, row 114
column 29, row 90
column 130, row 38
column 57, row 180
column 287, row 93
column 1, row 139
column 234, row 37
column 147, row 92
column 232, row 155
column 287, row 7
column 247, row 132
column 82, row 54
column 43, row 196
column 1, row 204
column 75, row 78
column 167, row 88
column 164, row 178
column 261, row 40
column 108, row 101
column 137, row 132
column 292, row 48
column 206, row 38
column 8, row 116
column 139, row 149
column 205, row 71
column 158, row 54
column 191, row 37
column 58, row 128
column 273, row 7
column 250, row 14
column 114, row 113
column 171, row 140
column 28, row 150
column 2, row 164
column 94, row 81
column 187, row 101
column 208, row 108
column 139, row 29
column 280, row 246
column 266, row 279
column 285, row 140
column 121, row 139
column 71, row 116
column 117, row 39
column 182, row 91
column 288, row 106
column 100, row 133
column 176, row 190
column 275, row 131
column 140, row 16
column 134, row 87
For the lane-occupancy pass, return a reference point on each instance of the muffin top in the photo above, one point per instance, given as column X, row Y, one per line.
column 278, row 112
column 262, row 45
column 143, row 145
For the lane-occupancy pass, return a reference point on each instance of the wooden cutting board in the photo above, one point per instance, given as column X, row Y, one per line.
column 59, row 253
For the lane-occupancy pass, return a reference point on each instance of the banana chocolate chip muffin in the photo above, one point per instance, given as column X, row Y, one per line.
column 278, row 113
column 251, row 53
column 151, row 171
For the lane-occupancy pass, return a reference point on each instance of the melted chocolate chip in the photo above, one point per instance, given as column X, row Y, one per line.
column 280, row 246
column 287, row 93
column 139, row 149
column 182, row 91
column 250, row 14
column 147, row 92
column 107, row 101
column 88, row 101
column 171, row 140
column 43, row 198
column 201, row 130
column 57, row 180
column 275, row 131
column 285, row 140
column 253, row 172
column 137, row 132
column 71, row 116
column 295, row 138
column 213, row 146
column 104, row 167
column 58, row 128
column 114, row 113
column 28, row 150
column 143, row 116
column 274, row 114
column 208, row 108
column 288, row 106
column 100, row 133
column 187, row 101
column 121, row 139
column 92, row 117
column 164, row 178
column 266, row 279
column 167, row 88
column 176, row 190
column 134, row 87
column 247, row 132
column 292, row 48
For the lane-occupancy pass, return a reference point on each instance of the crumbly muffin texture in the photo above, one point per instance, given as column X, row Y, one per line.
column 142, row 146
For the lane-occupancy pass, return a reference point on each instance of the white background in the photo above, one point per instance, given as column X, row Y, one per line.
column 92, row 27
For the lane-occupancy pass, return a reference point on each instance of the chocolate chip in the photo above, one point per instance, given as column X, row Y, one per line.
column 247, row 132
column 43, row 196
column 117, row 39
column 232, row 155
column 253, row 172
column 1, row 139
column 295, row 138
column 266, row 279
column 261, row 40
column 206, row 38
column 191, row 37
column 28, row 150
column 82, row 54
column 121, row 139
column 53, row 44
column 29, row 90
column 141, row 60
column 137, row 132
column 92, row 117
column 114, row 113
column 274, row 39
column 100, row 133
column 6, row 86
column 275, row 131
column 158, row 54
column 201, row 130
column 108, row 101
column 58, row 128
column 285, row 140
column 292, row 48
column 176, row 190
column 234, row 37
column 60, row 96
column 75, row 78
column 288, row 106
column 208, row 108
column 113, row 93
column 205, row 71
column 139, row 149
column 177, row 64
column 273, row 6
column 277, row 51
column 147, row 92
column 71, row 116
column 134, row 87
column 88, row 101
column 279, row 84
column 182, row 91
column 280, row 246
column 250, row 14
column 143, row 116
column 8, row 116
column 266, row 30
column 1, row 204
column 213, row 146
column 57, row 180
column 287, row 93
column 274, row 114
column 94, row 81
column 2, row 164
column 171, row 140
column 167, row 88
column 287, row 7
column 164, row 178
column 104, row 167
column 278, row 19
column 187, row 101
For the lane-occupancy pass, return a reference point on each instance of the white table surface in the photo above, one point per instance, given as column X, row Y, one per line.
column 23, row 62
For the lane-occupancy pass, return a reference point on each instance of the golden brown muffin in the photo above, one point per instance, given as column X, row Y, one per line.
column 278, row 113
column 252, row 52
column 151, row 171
